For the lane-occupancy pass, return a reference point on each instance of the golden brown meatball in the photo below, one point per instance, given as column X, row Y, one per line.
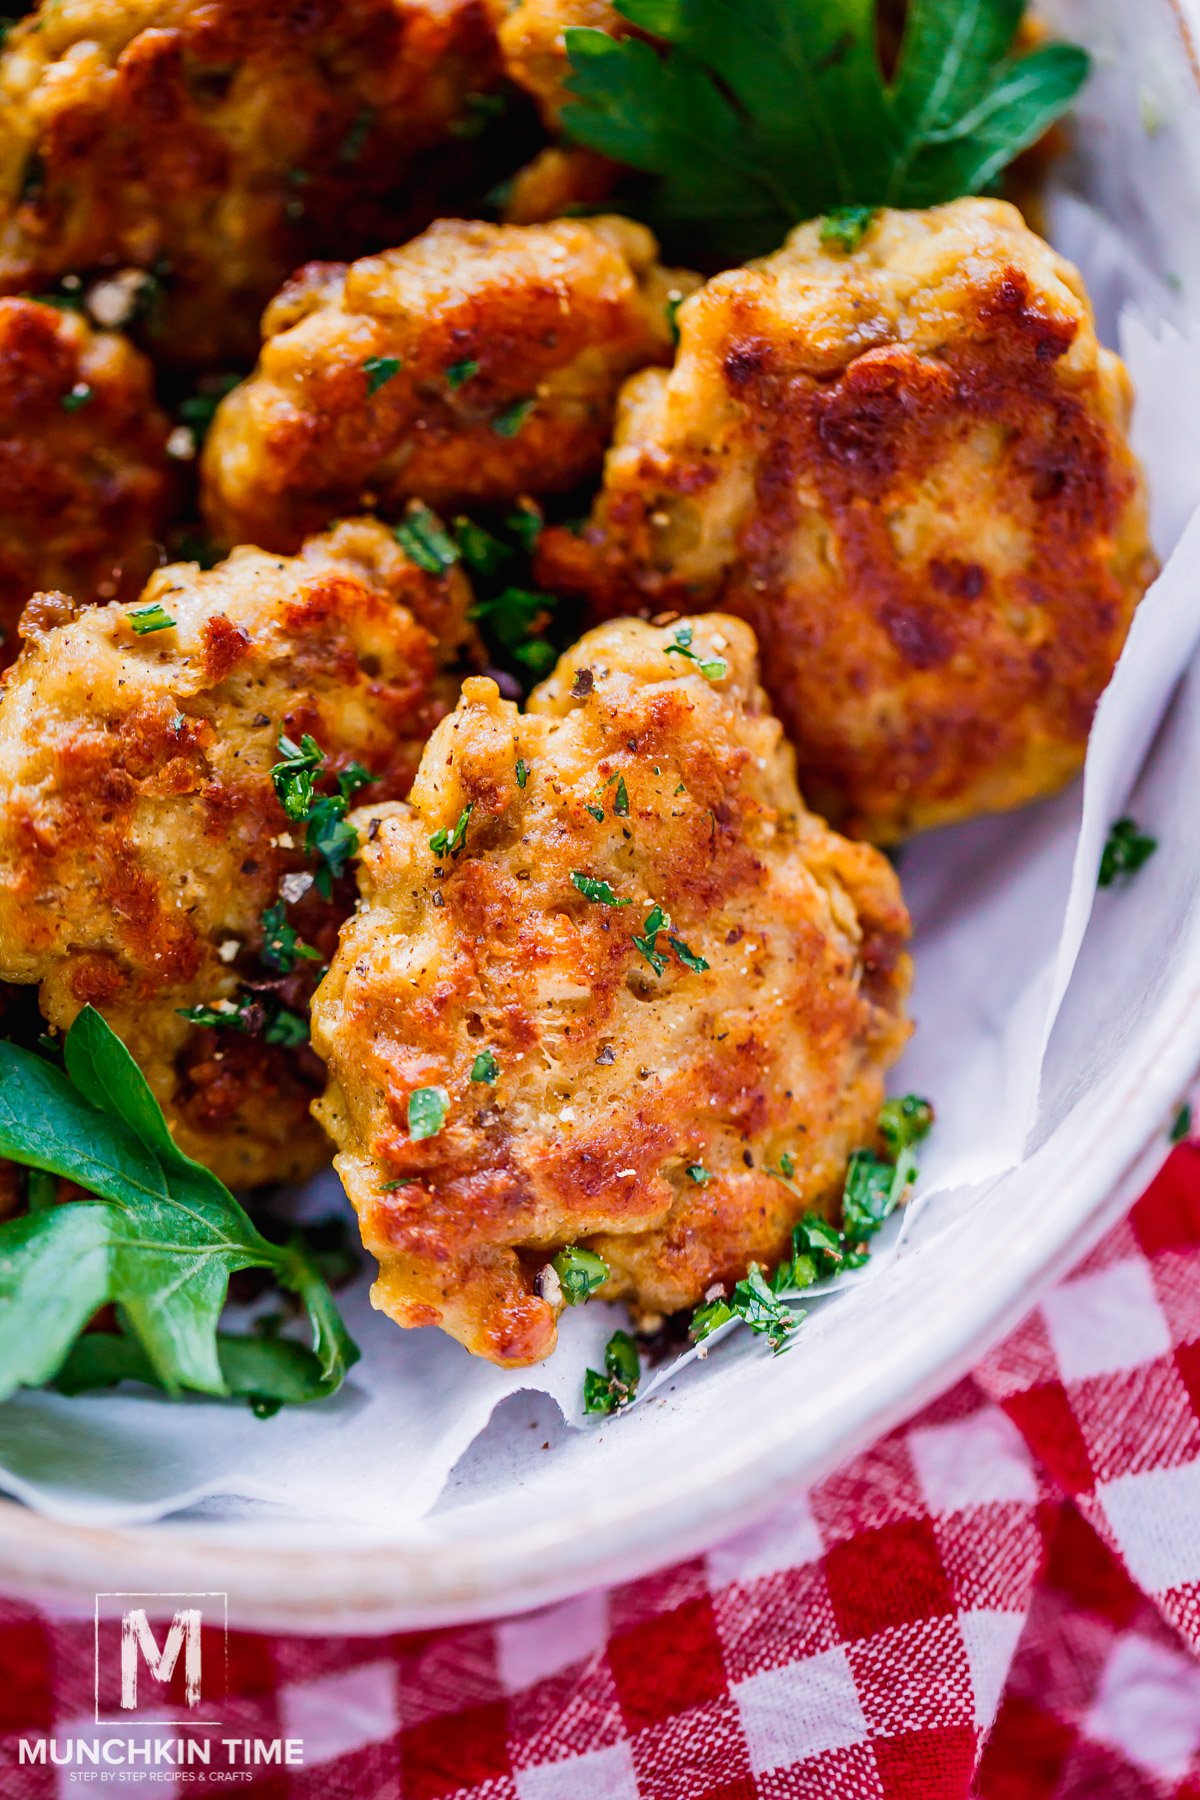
column 220, row 142
column 609, row 935
column 908, row 469
column 141, row 839
column 85, row 481
column 478, row 363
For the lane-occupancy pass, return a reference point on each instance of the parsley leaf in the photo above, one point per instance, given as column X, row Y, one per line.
column 509, row 422
column 1125, row 852
column 480, row 549
column 425, row 540
column 427, row 1109
column 449, row 842
column 459, row 373
column 580, row 1273
column 598, row 891
column 756, row 114
column 713, row 669
column 904, row 1122
column 698, row 1173
column 145, row 619
column 845, row 227
column 379, row 370
column 1181, row 1125
column 607, row 1393
column 514, row 617
column 293, row 777
column 656, row 920
column 281, row 944
column 522, row 771
column 485, row 1067
column 159, row 1240
column 328, row 836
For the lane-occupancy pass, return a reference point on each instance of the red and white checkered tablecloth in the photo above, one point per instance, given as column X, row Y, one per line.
column 1001, row 1599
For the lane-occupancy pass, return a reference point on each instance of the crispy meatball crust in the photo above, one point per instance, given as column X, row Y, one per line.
column 611, row 1078
column 908, row 469
column 482, row 320
column 140, row 836
column 86, row 485
column 221, row 142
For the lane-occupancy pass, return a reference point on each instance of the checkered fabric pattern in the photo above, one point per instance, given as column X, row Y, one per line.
column 999, row 1600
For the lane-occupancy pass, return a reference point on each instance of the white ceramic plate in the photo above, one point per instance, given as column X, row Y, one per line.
column 665, row 1483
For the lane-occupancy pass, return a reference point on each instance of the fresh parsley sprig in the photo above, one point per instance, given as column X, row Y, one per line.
column 159, row 1240
column 756, row 114
column 327, row 836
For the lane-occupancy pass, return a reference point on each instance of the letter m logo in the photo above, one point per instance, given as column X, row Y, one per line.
column 156, row 1652
column 139, row 1645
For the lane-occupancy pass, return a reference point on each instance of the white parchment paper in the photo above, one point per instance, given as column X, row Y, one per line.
column 1000, row 908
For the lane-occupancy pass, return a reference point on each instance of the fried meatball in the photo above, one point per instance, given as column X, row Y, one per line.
column 908, row 469
column 609, row 939
column 86, row 485
column 141, row 839
column 478, row 363
column 219, row 143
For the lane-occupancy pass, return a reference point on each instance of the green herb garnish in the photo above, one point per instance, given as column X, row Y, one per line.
column 514, row 616
column 1181, row 1126
column 380, row 369
column 621, row 800
column 159, row 1240
column 525, row 522
column 449, row 842
column 698, row 1173
column 282, row 946
column 482, row 552
column 145, row 619
column 294, row 777
column 459, row 373
column 522, row 771
column 687, row 957
column 713, row 668
column 427, row 1108
column 904, row 1121
column 597, row 891
column 509, row 422
column 1125, row 852
column 425, row 540
column 80, row 395
column 328, row 836
column 845, row 227
column 755, row 118
column 580, row 1272
column 656, row 920
column 607, row 1393
column 485, row 1067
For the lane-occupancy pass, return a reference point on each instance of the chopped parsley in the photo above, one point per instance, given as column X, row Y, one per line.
column 687, row 957
column 673, row 305
column 1181, row 1127
column 525, row 522
column 265, row 1018
column 199, row 409
column 459, row 373
column 846, row 226
column 656, row 920
column 146, row 619
column 874, row 1187
column 481, row 550
column 427, row 1109
column 485, row 1067
column 597, row 891
column 597, row 813
column 515, row 616
column 79, row 396
column 755, row 117
column 425, row 540
column 1126, row 851
column 698, row 1173
column 522, row 771
column 285, row 1027
column 282, row 946
column 621, row 801
column 509, row 422
column 713, row 668
column 379, row 370
column 328, row 836
column 580, row 1273
column 614, row 1389
column 449, row 842
column 904, row 1122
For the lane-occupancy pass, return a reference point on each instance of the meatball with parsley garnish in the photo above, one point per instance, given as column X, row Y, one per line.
column 473, row 365
column 86, row 484
column 216, row 144
column 174, row 782
column 897, row 449
column 610, row 986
